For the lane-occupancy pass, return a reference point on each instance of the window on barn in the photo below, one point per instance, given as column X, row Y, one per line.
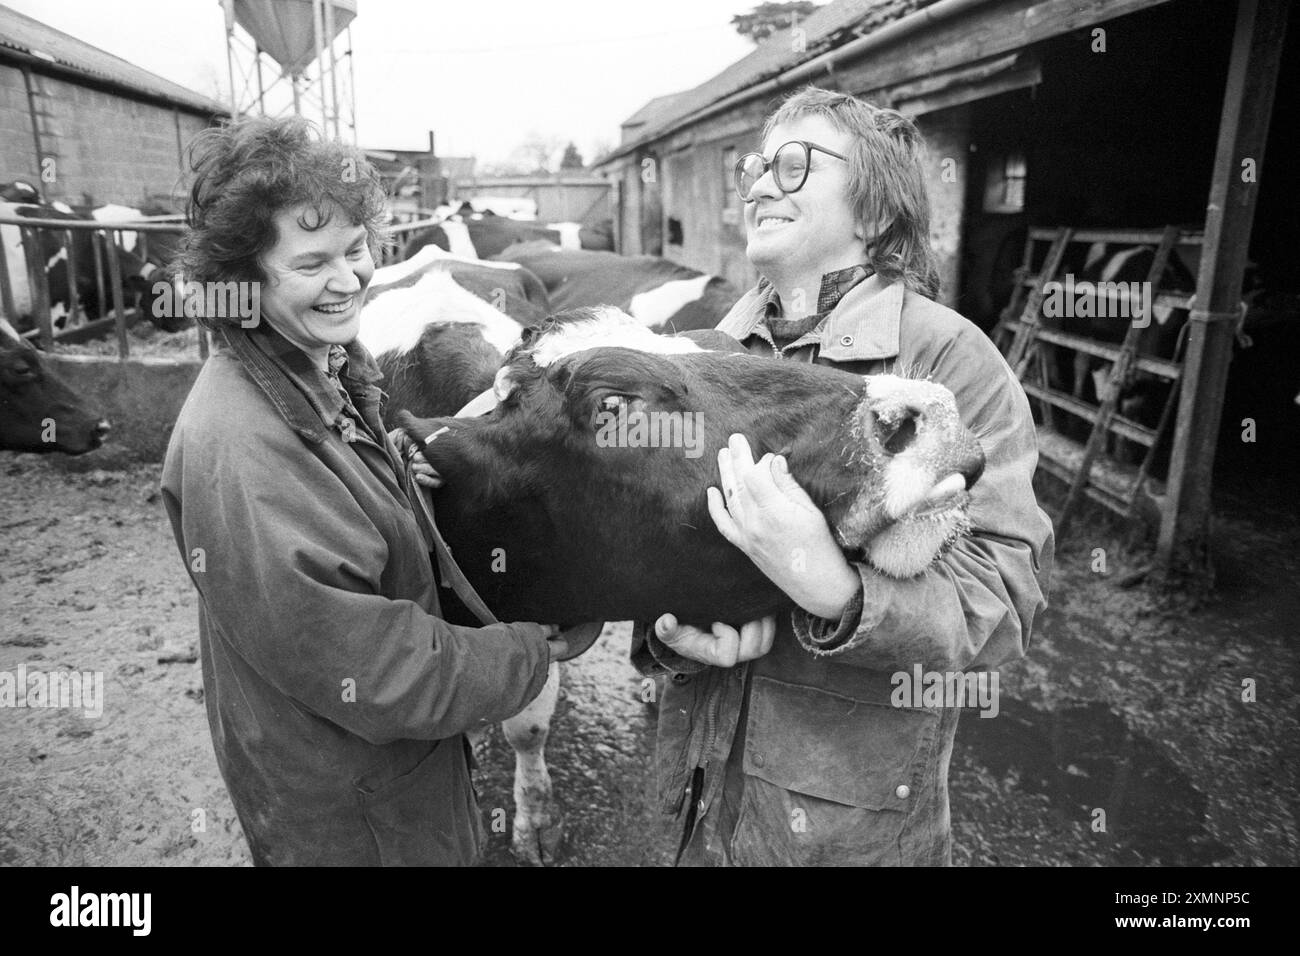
column 674, row 231
column 731, row 204
column 1004, row 190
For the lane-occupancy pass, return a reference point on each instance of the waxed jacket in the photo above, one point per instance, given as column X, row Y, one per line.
column 805, row 758
column 336, row 696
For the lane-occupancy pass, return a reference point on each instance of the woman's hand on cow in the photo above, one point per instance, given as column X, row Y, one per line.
column 764, row 512
column 555, row 642
column 723, row 645
column 420, row 467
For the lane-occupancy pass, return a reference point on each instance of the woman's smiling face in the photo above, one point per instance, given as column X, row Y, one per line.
column 316, row 280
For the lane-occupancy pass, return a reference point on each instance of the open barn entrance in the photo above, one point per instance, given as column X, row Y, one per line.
column 1126, row 139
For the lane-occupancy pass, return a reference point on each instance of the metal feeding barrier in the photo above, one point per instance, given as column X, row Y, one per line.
column 106, row 250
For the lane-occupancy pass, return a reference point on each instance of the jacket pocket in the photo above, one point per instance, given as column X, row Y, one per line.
column 830, row 779
column 427, row 816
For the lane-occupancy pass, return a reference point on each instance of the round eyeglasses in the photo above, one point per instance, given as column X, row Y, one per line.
column 789, row 165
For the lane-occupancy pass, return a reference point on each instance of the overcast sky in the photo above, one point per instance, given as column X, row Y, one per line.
column 480, row 73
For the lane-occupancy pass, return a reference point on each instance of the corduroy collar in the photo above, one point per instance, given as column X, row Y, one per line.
column 302, row 393
column 863, row 325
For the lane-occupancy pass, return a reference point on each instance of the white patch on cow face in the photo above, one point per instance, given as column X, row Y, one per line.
column 395, row 321
column 569, row 234
column 915, row 491
column 657, row 306
column 459, row 240
column 613, row 329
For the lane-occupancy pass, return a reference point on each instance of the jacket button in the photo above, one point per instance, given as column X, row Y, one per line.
column 903, row 791
column 758, row 760
column 846, row 340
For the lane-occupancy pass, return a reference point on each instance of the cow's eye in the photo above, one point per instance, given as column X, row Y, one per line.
column 612, row 403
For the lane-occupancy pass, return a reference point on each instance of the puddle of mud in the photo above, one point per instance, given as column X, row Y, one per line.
column 1084, row 757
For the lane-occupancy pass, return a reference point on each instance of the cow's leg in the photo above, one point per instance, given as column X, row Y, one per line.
column 539, row 825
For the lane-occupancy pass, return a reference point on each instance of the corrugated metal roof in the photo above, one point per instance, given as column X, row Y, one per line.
column 22, row 33
column 828, row 27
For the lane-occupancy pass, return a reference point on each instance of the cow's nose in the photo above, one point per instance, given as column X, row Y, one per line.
column 99, row 431
column 972, row 466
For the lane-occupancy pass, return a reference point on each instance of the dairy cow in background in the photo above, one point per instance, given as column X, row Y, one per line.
column 484, row 235
column 140, row 267
column 658, row 293
column 38, row 411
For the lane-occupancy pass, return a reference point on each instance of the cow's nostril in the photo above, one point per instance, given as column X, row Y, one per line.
column 972, row 468
column 895, row 436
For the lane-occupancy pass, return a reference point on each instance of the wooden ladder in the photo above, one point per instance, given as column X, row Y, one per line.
column 1086, row 469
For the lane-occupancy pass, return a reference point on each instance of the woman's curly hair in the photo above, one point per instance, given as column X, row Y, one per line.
column 248, row 171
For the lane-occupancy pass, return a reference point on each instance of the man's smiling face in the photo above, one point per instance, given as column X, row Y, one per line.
column 814, row 230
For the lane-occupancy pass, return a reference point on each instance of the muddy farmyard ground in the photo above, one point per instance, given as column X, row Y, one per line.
column 1129, row 703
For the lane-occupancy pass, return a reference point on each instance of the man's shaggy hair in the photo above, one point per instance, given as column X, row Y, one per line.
column 247, row 172
column 886, row 180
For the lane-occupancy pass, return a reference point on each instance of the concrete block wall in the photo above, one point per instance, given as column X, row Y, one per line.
column 106, row 146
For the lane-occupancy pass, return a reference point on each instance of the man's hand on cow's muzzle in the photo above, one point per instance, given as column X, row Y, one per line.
column 423, row 471
column 764, row 512
column 724, row 646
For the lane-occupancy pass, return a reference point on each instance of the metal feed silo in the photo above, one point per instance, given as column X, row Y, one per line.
column 308, row 73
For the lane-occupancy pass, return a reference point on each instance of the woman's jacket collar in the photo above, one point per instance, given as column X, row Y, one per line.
column 298, row 390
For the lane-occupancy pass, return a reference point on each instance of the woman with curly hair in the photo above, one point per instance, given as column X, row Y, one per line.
column 337, row 697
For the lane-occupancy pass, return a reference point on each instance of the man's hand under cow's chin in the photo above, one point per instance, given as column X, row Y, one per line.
column 764, row 512
column 722, row 645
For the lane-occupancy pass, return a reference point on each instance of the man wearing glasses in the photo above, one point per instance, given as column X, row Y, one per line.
column 787, row 742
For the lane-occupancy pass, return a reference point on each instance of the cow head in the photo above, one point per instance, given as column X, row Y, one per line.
column 38, row 412
column 581, row 494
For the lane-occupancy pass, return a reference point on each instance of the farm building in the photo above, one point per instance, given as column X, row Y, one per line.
column 85, row 126
column 1111, row 120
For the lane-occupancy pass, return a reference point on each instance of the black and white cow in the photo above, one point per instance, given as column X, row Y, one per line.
column 598, row 526
column 438, row 327
column 660, row 294
column 139, row 267
column 483, row 235
column 439, row 343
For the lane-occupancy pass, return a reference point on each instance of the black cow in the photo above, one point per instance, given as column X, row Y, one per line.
column 560, row 507
column 38, row 412
column 662, row 295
